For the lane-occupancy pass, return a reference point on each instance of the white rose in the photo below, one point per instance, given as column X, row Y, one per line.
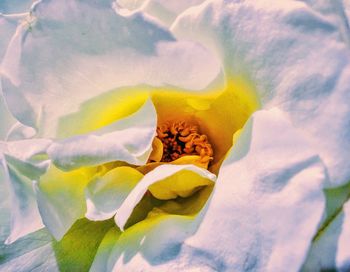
column 266, row 83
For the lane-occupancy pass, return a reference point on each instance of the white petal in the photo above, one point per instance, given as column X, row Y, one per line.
column 8, row 24
column 6, row 120
column 15, row 6
column 343, row 253
column 100, row 263
column 298, row 59
column 32, row 253
column 325, row 244
column 104, row 195
column 20, row 166
column 264, row 210
column 129, row 140
column 157, row 175
column 165, row 11
column 268, row 199
column 60, row 198
column 63, row 54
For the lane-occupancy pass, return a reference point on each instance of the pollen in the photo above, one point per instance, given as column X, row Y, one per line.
column 181, row 139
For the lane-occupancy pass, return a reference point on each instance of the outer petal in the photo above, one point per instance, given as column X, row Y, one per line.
column 165, row 11
column 271, row 188
column 63, row 54
column 330, row 247
column 335, row 11
column 15, row 6
column 343, row 254
column 128, row 140
column 296, row 57
column 8, row 24
column 268, row 199
column 21, row 167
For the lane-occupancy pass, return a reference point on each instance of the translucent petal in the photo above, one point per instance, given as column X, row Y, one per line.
column 105, row 194
column 60, row 197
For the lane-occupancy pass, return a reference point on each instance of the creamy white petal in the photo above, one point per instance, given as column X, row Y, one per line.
column 161, row 173
column 62, row 53
column 129, row 140
column 296, row 56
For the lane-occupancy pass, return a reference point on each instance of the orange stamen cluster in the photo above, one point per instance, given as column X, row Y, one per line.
column 181, row 139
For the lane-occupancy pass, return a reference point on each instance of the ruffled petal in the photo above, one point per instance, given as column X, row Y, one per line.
column 296, row 57
column 19, row 161
column 61, row 53
column 268, row 199
column 128, row 140
column 165, row 182
column 163, row 10
column 105, row 194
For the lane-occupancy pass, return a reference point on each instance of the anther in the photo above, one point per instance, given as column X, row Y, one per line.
column 181, row 139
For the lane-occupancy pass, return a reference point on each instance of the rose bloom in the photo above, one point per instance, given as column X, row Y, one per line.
column 175, row 135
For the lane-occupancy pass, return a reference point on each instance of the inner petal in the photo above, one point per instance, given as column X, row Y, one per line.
column 215, row 114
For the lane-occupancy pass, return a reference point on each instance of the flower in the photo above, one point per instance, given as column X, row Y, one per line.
column 114, row 76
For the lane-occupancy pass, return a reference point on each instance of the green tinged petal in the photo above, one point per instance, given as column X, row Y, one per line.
column 61, row 198
column 128, row 140
column 77, row 249
column 326, row 245
column 105, row 194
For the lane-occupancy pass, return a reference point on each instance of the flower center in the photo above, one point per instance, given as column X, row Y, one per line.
column 182, row 139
